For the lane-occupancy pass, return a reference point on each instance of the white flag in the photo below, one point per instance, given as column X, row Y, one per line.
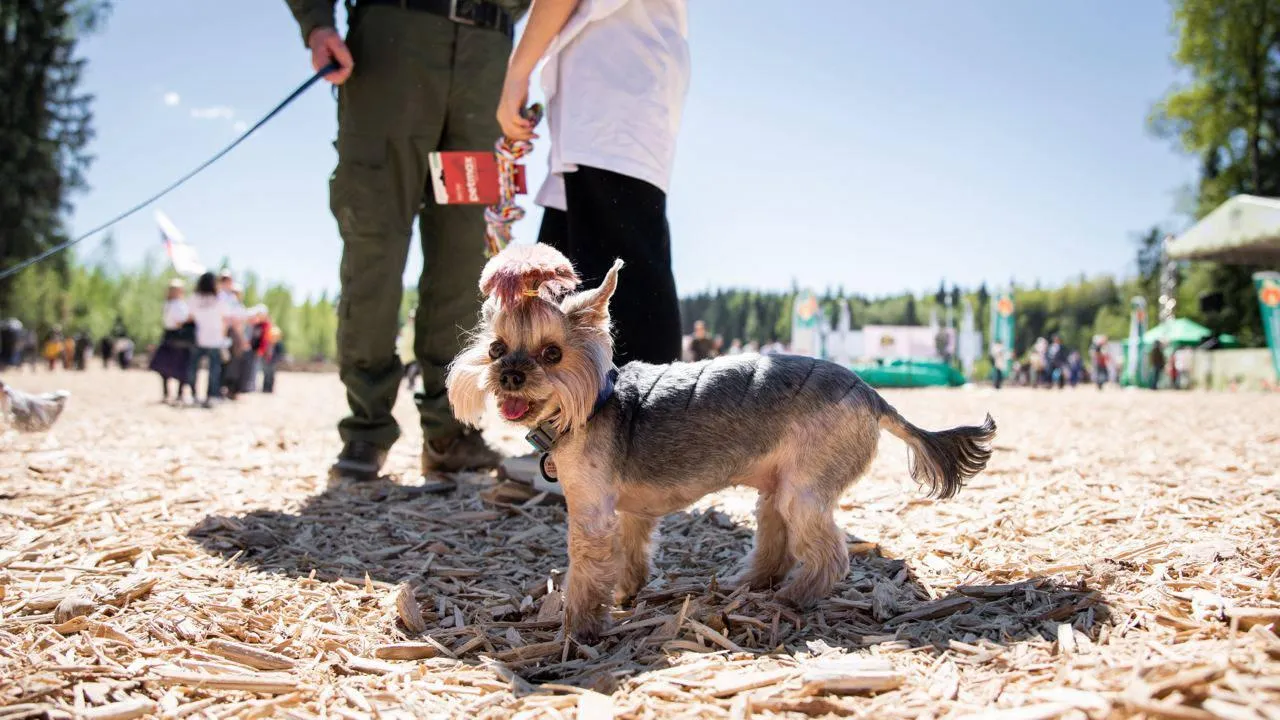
column 182, row 256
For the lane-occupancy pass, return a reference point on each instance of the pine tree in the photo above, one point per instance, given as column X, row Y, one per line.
column 45, row 124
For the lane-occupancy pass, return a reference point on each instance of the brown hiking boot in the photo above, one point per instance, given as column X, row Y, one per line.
column 465, row 451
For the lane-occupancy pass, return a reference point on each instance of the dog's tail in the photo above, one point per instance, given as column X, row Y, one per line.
column 943, row 460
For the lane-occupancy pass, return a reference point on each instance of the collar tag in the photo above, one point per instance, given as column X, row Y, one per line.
column 543, row 437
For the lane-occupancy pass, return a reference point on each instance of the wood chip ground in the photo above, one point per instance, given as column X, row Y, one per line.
column 1119, row 558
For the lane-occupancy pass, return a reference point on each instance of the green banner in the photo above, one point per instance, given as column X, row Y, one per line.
column 1135, row 353
column 1268, row 287
column 1002, row 327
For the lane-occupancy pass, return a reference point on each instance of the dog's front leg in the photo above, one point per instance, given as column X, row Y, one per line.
column 593, row 527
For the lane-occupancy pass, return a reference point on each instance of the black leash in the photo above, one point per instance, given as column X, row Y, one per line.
column 7, row 272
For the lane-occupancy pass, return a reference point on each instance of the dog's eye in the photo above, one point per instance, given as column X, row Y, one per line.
column 497, row 349
column 551, row 354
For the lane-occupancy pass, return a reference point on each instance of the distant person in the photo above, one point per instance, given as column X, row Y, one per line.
column 702, row 346
column 1101, row 362
column 231, row 294
column 172, row 359
column 1055, row 360
column 1037, row 359
column 1075, row 368
column 84, row 348
column 275, row 356
column 53, row 347
column 212, row 318
column 69, row 352
column 735, row 347
column 998, row 357
column 104, row 351
column 123, row 349
column 259, row 332
column 1156, row 358
column 10, row 355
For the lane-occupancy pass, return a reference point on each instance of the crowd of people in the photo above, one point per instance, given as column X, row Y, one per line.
column 22, row 347
column 1050, row 364
column 237, row 346
column 702, row 346
column 215, row 330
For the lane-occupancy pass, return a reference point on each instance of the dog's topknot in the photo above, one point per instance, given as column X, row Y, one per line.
column 525, row 271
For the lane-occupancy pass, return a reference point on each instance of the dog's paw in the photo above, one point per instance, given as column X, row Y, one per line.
column 753, row 581
column 796, row 595
column 627, row 590
column 585, row 630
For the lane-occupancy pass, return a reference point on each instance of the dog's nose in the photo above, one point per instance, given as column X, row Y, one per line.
column 511, row 380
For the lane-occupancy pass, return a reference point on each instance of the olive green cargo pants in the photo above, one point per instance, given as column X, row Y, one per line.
column 421, row 83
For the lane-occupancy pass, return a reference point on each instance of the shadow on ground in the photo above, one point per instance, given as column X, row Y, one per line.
column 482, row 574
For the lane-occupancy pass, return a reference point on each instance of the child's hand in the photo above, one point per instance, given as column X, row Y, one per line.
column 515, row 92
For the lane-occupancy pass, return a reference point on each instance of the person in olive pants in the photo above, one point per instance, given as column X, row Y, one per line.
column 416, row 76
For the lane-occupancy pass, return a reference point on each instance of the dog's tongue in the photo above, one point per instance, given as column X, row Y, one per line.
column 514, row 408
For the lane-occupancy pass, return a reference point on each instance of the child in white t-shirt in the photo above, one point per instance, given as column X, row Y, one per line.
column 615, row 80
column 211, row 316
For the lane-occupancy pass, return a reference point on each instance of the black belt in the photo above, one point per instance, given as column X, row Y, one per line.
column 479, row 13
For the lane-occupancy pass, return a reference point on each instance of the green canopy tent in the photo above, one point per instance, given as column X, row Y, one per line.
column 1178, row 332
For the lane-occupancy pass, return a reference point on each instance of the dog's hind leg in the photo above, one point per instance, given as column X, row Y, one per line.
column 635, row 534
column 770, row 560
column 816, row 542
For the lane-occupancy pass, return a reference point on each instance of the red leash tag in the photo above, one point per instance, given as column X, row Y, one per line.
column 468, row 178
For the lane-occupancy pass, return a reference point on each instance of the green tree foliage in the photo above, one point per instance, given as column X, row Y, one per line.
column 1075, row 311
column 1225, row 114
column 45, row 124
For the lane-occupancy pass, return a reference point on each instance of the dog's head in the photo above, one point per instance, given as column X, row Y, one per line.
column 541, row 350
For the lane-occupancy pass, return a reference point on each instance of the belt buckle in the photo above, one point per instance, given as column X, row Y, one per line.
column 455, row 17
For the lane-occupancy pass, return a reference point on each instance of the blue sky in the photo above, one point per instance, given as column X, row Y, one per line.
column 872, row 145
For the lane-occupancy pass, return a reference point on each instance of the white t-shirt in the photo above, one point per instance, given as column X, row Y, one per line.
column 175, row 314
column 615, row 82
column 235, row 309
column 209, row 314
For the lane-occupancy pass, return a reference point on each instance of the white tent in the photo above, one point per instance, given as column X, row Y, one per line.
column 1244, row 230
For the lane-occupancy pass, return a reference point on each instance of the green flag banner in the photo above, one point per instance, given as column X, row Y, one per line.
column 1002, row 327
column 1135, row 353
column 1268, row 287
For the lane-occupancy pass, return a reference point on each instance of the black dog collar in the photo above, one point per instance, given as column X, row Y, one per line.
column 544, row 437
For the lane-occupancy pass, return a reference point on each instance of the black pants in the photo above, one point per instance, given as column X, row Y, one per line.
column 612, row 216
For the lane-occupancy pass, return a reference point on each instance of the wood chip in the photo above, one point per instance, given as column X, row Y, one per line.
column 1247, row 617
column 408, row 609
column 406, row 651
column 123, row 710
column 254, row 657
column 261, row 683
column 933, row 611
column 850, row 674
column 73, row 606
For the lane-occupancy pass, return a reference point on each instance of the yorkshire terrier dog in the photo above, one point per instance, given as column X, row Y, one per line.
column 632, row 444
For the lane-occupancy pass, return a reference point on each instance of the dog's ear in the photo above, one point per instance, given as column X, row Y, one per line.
column 488, row 309
column 593, row 305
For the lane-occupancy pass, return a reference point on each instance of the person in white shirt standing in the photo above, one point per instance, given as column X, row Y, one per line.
column 172, row 359
column 615, row 80
column 212, row 318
